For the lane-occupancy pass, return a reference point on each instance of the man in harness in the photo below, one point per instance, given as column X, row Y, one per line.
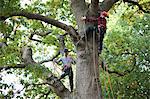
column 101, row 26
column 67, row 61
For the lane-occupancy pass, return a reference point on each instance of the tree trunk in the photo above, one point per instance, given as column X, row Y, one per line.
column 87, row 72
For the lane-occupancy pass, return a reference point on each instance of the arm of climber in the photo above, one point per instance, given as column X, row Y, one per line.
column 88, row 19
column 57, row 60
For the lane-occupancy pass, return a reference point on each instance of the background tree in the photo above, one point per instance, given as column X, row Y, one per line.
column 22, row 38
column 126, row 55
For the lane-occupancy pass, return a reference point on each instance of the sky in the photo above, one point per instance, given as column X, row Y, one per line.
column 11, row 79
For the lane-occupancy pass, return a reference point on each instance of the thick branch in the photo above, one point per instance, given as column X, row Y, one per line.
column 53, row 81
column 74, row 35
column 27, row 55
column 104, row 66
column 117, row 72
column 107, row 4
column 135, row 2
column 38, row 17
column 51, row 59
column 59, row 88
column 16, row 66
column 42, row 33
column 42, row 18
column 120, row 73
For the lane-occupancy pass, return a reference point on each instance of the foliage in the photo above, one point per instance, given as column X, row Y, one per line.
column 126, row 48
column 6, row 6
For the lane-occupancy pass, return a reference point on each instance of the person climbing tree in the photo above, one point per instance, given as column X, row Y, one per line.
column 101, row 28
column 67, row 62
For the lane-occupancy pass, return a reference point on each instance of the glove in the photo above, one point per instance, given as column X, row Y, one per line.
column 55, row 60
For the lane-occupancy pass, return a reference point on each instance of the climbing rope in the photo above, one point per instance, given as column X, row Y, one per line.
column 94, row 58
column 86, row 44
column 109, row 81
column 105, row 85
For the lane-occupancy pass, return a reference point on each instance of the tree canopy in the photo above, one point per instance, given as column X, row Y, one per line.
column 30, row 35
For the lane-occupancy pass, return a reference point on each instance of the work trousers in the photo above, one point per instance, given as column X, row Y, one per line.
column 102, row 32
column 68, row 71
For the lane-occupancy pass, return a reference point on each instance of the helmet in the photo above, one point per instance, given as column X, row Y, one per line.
column 104, row 13
column 66, row 50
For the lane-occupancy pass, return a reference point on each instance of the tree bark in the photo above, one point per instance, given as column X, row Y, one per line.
column 87, row 82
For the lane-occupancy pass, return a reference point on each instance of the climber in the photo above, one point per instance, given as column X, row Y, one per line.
column 101, row 28
column 67, row 61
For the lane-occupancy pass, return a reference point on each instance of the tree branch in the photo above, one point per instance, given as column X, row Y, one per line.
column 62, row 44
column 55, row 84
column 135, row 2
column 35, row 40
column 42, row 33
column 37, row 17
column 16, row 66
column 116, row 72
column 15, row 29
column 44, row 19
column 2, row 44
column 51, row 59
column 58, row 87
column 120, row 73
column 105, row 68
column 74, row 35
column 27, row 55
column 107, row 4
column 31, row 38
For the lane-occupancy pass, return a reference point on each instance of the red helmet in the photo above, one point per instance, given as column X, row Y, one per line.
column 104, row 13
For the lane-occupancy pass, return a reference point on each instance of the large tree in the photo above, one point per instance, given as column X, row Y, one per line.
column 85, row 41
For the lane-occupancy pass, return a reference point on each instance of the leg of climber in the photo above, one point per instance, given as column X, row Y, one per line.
column 65, row 73
column 71, row 79
column 101, row 37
